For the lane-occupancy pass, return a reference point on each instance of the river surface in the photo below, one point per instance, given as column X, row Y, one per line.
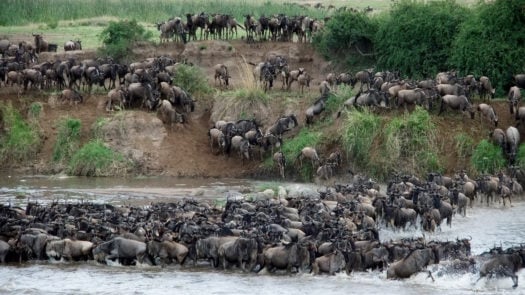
column 488, row 227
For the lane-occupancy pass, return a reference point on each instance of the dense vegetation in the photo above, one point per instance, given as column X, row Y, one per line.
column 419, row 39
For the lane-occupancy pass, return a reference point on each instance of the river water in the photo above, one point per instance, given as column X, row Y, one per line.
column 488, row 227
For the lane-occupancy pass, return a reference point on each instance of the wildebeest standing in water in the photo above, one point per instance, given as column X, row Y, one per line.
column 504, row 265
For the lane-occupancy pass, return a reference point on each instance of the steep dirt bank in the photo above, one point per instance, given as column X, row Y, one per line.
column 184, row 150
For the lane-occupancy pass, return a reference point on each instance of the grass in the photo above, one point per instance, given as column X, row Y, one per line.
column 359, row 131
column 19, row 12
column 95, row 159
column 21, row 140
column 487, row 158
column 68, row 139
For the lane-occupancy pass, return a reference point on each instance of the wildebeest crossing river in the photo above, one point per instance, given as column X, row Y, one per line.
column 488, row 227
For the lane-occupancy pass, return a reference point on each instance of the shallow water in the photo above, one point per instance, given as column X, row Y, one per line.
column 487, row 227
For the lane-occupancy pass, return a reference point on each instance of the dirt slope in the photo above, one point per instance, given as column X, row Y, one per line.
column 185, row 150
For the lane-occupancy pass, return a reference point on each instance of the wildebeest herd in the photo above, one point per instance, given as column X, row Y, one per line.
column 335, row 229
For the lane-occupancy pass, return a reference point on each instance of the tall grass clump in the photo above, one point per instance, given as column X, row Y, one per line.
column 68, row 139
column 250, row 89
column 359, row 132
column 21, row 140
column 409, row 142
column 488, row 158
column 464, row 147
column 95, row 159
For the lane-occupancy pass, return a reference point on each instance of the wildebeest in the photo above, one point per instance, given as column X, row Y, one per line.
column 217, row 138
column 514, row 97
column 69, row 249
column 294, row 255
column 316, row 109
column 456, row 102
column 71, row 95
column 125, row 250
column 308, row 153
column 413, row 263
column 485, row 88
column 504, row 265
column 221, row 73
column 279, row 161
column 168, row 114
column 165, row 251
column 241, row 251
column 283, row 124
column 115, row 100
column 513, row 141
column 329, row 263
column 73, row 45
column 208, row 248
column 499, row 138
column 413, row 96
column 371, row 97
column 487, row 111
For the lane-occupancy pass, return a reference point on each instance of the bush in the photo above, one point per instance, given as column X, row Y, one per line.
column 488, row 158
column 193, row 80
column 95, row 159
column 68, row 139
column 21, row 141
column 346, row 31
column 118, row 38
column 491, row 42
column 416, row 38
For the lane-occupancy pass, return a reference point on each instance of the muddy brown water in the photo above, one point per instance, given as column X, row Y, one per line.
column 488, row 227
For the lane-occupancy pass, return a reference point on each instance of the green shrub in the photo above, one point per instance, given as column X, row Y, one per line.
column 68, row 139
column 118, row 38
column 346, row 31
column 490, row 42
column 21, row 141
column 416, row 37
column 193, row 80
column 95, row 159
column 488, row 158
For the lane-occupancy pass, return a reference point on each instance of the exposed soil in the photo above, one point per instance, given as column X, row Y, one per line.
column 184, row 150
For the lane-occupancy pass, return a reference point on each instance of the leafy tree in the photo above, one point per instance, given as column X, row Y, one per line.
column 416, row 38
column 491, row 42
column 119, row 37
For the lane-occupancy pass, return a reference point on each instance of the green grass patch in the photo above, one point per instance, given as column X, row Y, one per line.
column 359, row 131
column 95, row 159
column 21, row 140
column 488, row 158
column 68, row 139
